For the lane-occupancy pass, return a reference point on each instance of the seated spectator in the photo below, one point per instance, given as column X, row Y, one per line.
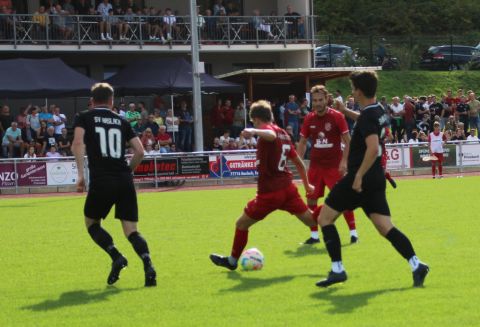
column 472, row 135
column 210, row 25
column 169, row 24
column 12, row 140
column 225, row 136
column 52, row 153
column 103, row 10
column 217, row 146
column 61, row 23
column 260, row 25
column 30, row 153
column 448, row 135
column 173, row 148
column 164, row 139
column 64, row 143
column 149, row 150
column 154, row 25
column 459, row 135
column 244, row 142
column 156, row 148
column 50, row 140
column 148, row 138
column 230, row 145
column 414, row 138
column 40, row 19
column 6, row 23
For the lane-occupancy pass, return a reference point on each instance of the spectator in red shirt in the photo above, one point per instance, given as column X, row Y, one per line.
column 228, row 114
column 409, row 116
column 164, row 139
column 148, row 138
column 216, row 117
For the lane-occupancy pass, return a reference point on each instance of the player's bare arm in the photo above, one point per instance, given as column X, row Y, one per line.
column 353, row 115
column 265, row 134
column 343, row 163
column 302, row 147
column 78, row 149
column 138, row 152
column 302, row 170
column 369, row 158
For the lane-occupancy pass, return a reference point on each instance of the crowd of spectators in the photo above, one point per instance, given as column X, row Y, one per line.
column 34, row 132
column 121, row 20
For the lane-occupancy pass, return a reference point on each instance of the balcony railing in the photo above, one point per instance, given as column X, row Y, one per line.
column 138, row 31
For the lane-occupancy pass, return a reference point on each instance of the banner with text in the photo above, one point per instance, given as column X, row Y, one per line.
column 27, row 174
column 234, row 165
column 172, row 168
column 449, row 156
column 469, row 156
column 397, row 155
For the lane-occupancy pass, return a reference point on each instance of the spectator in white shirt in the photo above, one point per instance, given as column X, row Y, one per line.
column 103, row 9
column 472, row 137
column 172, row 124
column 59, row 121
column 169, row 23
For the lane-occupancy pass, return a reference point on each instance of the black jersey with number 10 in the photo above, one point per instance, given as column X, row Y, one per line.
column 106, row 135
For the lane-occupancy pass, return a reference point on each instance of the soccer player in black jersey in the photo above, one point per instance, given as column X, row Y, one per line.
column 364, row 184
column 105, row 134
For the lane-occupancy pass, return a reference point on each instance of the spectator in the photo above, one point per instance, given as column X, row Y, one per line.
column 409, row 116
column 218, row 7
column 5, row 120
column 451, row 124
column 461, row 112
column 33, row 122
column 350, row 105
column 52, row 153
column 474, row 111
column 12, row 140
column 59, row 121
column 122, row 110
column 68, row 7
column 152, row 124
column 130, row 4
column 64, row 144
column 216, row 118
column 261, row 26
column 143, row 110
column 30, row 153
column 154, row 26
column 103, row 10
column 282, row 115
column 82, row 7
column 448, row 135
column 424, row 125
column 164, row 139
column 42, row 131
column 245, row 142
column 61, row 22
column 157, row 118
column 46, row 116
column 132, row 115
column 185, row 128
column 210, row 25
column 304, row 110
column 472, row 136
column 420, row 109
column 338, row 95
column 398, row 119
column 296, row 28
column 293, row 113
column 422, row 136
column 169, row 24
column 22, row 123
column 149, row 150
column 49, row 140
column 172, row 122
column 140, row 127
column 228, row 114
column 459, row 135
column 40, row 20
column 148, row 138
column 225, row 137
column 216, row 144
column 239, row 119
column 230, row 145
column 414, row 138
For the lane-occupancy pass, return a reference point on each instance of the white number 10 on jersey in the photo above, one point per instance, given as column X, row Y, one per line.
column 114, row 141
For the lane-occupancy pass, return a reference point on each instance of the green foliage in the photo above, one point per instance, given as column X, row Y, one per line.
column 54, row 275
column 401, row 17
column 415, row 83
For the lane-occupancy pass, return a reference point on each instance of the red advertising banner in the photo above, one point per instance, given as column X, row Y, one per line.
column 27, row 174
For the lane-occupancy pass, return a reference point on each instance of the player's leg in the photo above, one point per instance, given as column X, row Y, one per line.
column 440, row 164
column 141, row 248
column 433, row 168
column 331, row 177
column 315, row 178
column 240, row 240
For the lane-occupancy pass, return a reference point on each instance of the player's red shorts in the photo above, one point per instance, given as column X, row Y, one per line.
column 287, row 199
column 383, row 161
column 321, row 177
column 439, row 156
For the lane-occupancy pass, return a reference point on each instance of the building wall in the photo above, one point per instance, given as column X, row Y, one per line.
column 265, row 7
column 225, row 62
column 295, row 59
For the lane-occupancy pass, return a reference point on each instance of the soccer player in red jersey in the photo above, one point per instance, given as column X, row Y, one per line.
column 327, row 129
column 276, row 190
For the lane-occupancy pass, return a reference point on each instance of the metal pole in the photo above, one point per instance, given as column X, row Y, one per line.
column 197, row 91
column 245, row 109
column 173, row 120
column 16, row 174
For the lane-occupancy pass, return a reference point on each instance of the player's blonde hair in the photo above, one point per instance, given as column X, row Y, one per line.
column 262, row 110
column 320, row 89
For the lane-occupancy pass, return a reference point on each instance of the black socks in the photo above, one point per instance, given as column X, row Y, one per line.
column 104, row 240
column 332, row 242
column 401, row 243
column 141, row 248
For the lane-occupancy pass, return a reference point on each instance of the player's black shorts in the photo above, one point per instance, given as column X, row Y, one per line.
column 106, row 191
column 372, row 199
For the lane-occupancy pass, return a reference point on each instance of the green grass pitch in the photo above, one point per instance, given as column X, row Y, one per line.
column 54, row 275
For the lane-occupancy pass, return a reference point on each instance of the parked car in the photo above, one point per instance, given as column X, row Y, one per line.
column 451, row 57
column 334, row 55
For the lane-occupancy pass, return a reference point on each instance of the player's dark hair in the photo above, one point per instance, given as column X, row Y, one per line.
column 101, row 92
column 365, row 81
column 261, row 110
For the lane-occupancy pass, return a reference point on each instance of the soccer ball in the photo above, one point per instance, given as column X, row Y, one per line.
column 252, row 259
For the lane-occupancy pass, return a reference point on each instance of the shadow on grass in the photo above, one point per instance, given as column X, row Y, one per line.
column 74, row 298
column 248, row 283
column 350, row 302
column 305, row 250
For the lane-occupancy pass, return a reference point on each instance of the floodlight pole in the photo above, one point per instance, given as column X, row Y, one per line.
column 197, row 95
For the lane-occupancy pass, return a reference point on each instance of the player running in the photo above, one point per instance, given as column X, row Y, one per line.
column 104, row 134
column 275, row 186
column 327, row 129
column 364, row 185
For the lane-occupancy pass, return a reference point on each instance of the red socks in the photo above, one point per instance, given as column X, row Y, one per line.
column 239, row 242
column 350, row 219
column 314, row 207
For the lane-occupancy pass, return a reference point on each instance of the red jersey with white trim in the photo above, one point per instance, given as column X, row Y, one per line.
column 273, row 173
column 325, row 133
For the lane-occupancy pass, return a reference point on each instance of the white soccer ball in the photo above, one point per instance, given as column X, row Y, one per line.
column 252, row 259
